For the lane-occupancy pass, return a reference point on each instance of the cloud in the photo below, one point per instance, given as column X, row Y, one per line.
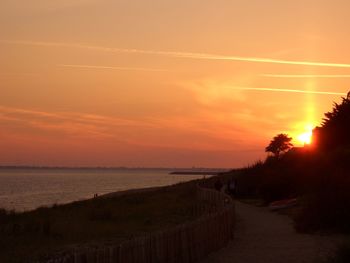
column 194, row 131
column 18, row 74
column 110, row 68
column 302, row 76
column 175, row 54
column 66, row 123
column 290, row 90
column 67, row 116
column 210, row 92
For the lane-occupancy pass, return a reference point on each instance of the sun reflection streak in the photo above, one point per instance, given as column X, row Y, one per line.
column 303, row 131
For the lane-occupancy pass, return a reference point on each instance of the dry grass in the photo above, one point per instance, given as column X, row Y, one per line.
column 47, row 230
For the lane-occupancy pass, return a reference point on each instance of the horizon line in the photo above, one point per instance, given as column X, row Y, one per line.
column 107, row 167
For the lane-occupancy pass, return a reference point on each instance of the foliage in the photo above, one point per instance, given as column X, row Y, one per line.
column 281, row 143
column 342, row 254
column 335, row 129
column 319, row 175
column 327, row 206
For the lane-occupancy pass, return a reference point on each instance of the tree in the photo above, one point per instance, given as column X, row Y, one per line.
column 281, row 143
column 335, row 129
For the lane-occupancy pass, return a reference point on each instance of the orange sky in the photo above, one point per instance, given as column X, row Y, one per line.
column 165, row 83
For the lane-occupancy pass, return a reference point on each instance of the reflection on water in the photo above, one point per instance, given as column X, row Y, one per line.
column 25, row 189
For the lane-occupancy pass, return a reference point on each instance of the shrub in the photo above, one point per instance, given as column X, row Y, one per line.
column 327, row 208
column 100, row 214
column 342, row 254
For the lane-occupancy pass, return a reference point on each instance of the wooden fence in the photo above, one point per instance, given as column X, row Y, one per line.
column 185, row 243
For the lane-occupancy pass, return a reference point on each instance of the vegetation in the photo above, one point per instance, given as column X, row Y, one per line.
column 335, row 130
column 317, row 174
column 113, row 219
column 342, row 255
column 281, row 143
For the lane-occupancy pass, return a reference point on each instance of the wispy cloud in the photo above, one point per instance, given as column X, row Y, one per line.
column 151, row 131
column 110, row 68
column 188, row 55
column 302, row 76
column 290, row 90
column 70, row 123
column 18, row 74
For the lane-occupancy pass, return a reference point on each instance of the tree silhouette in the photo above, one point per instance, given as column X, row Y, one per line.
column 281, row 143
column 335, row 128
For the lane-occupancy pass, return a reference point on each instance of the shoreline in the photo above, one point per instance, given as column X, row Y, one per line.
column 196, row 173
column 46, row 188
column 105, row 196
column 130, row 191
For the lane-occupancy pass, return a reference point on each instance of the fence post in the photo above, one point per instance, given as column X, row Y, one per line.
column 185, row 243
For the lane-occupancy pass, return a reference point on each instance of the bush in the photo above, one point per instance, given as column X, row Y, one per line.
column 328, row 208
column 342, row 254
column 100, row 214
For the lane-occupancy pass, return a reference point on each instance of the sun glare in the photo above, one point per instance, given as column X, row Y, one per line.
column 306, row 137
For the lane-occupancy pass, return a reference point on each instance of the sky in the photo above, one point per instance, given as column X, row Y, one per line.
column 164, row 83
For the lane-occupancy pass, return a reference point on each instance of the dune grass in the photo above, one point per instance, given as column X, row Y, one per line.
column 31, row 235
column 341, row 255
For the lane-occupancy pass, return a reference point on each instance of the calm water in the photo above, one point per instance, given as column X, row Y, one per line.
column 25, row 189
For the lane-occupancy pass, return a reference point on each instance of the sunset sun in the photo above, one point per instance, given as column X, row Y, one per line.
column 305, row 137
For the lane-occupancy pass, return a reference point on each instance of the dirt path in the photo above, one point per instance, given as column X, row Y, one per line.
column 262, row 236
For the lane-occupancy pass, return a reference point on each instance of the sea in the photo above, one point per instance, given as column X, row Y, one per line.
column 23, row 189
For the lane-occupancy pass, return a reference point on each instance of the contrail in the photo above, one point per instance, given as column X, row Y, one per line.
column 204, row 56
column 107, row 67
column 302, row 76
column 292, row 91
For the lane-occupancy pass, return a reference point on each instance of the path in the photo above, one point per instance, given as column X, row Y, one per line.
column 262, row 236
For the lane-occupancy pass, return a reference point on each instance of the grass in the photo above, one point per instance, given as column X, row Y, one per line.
column 31, row 235
column 342, row 254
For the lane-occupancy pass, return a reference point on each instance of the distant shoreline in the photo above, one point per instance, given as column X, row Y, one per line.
column 45, row 187
column 198, row 172
column 175, row 170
